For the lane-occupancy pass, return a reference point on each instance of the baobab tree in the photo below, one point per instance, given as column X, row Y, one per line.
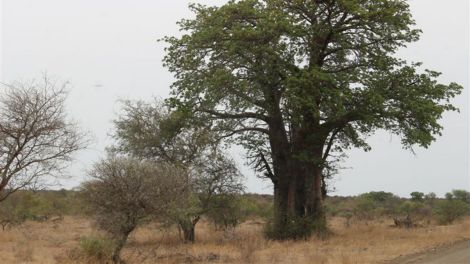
column 295, row 81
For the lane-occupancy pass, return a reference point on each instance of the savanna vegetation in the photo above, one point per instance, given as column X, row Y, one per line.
column 364, row 228
column 296, row 84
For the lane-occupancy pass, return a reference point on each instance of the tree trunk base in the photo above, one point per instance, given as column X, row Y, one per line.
column 297, row 228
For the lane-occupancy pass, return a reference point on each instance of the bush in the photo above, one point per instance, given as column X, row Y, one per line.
column 461, row 195
column 449, row 210
column 373, row 204
column 225, row 211
column 417, row 196
column 412, row 213
column 126, row 192
column 94, row 248
column 10, row 215
column 297, row 229
column 365, row 208
column 256, row 206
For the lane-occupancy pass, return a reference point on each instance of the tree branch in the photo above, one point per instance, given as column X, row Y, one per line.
column 236, row 116
column 330, row 143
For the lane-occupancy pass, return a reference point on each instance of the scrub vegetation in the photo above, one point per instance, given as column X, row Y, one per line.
column 296, row 84
column 56, row 228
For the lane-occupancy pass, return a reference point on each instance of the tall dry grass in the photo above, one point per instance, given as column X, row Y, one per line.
column 372, row 242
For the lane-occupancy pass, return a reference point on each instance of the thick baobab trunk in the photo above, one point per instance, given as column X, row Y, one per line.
column 298, row 200
column 297, row 164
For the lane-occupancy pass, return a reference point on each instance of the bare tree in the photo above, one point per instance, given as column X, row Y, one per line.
column 125, row 192
column 36, row 138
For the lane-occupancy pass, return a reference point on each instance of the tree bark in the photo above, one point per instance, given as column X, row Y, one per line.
column 297, row 165
column 298, row 205
column 120, row 242
column 298, row 193
column 188, row 227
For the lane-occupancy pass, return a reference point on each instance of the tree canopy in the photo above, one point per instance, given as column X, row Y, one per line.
column 295, row 81
column 329, row 61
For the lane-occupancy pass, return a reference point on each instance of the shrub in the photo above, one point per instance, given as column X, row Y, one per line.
column 430, row 199
column 417, row 196
column 380, row 197
column 411, row 213
column 365, row 208
column 256, row 206
column 126, row 192
column 297, row 228
column 461, row 195
column 449, row 210
column 225, row 211
column 94, row 248
column 373, row 204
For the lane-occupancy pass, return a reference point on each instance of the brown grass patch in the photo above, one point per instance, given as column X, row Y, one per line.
column 372, row 242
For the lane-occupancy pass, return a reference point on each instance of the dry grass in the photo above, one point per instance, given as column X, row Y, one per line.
column 374, row 242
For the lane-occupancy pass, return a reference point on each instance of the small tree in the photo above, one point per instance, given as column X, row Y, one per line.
column 225, row 211
column 412, row 214
column 125, row 191
column 461, row 195
column 449, row 210
column 371, row 204
column 152, row 131
column 11, row 213
column 213, row 175
column 35, row 136
column 417, row 196
column 430, row 198
column 365, row 207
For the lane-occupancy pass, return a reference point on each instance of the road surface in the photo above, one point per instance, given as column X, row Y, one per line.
column 458, row 253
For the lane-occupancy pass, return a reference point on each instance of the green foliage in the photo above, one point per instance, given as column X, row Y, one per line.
column 11, row 215
column 449, row 210
column 225, row 211
column 335, row 69
column 365, row 208
column 461, row 195
column 294, row 81
column 153, row 131
column 456, row 205
column 430, row 198
column 372, row 204
column 415, row 210
column 417, row 196
column 96, row 248
column 36, row 206
column 256, row 206
column 296, row 228
column 379, row 197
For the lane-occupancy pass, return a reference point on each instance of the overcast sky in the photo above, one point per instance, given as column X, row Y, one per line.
column 108, row 50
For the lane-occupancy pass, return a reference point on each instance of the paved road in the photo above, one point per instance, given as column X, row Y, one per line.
column 456, row 254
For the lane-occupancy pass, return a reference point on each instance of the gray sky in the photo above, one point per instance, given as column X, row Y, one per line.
column 108, row 50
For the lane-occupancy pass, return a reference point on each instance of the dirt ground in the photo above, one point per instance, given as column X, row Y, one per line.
column 361, row 243
column 454, row 253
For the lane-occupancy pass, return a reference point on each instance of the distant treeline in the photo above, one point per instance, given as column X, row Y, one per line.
column 419, row 209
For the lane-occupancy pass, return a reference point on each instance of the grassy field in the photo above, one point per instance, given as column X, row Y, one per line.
column 362, row 242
